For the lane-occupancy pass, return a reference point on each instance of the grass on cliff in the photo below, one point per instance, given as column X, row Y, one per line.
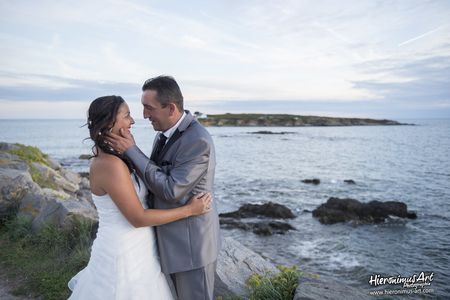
column 42, row 263
column 30, row 154
column 280, row 286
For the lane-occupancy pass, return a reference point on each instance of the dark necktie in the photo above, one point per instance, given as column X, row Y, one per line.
column 159, row 146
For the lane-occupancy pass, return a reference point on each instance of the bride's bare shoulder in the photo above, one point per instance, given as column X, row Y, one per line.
column 107, row 163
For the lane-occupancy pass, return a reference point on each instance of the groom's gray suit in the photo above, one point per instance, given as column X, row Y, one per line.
column 184, row 167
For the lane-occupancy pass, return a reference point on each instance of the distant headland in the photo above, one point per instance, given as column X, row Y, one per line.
column 286, row 120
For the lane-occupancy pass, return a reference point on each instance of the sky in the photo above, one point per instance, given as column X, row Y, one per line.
column 376, row 59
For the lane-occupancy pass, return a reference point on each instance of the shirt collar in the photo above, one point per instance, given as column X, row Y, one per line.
column 169, row 132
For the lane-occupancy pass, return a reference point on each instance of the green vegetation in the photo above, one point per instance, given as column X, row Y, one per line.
column 280, row 286
column 286, row 120
column 251, row 116
column 42, row 181
column 30, row 154
column 45, row 260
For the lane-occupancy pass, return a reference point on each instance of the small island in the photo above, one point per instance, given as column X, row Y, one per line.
column 285, row 120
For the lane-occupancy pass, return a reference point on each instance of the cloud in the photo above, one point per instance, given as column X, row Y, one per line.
column 343, row 54
column 41, row 87
column 425, row 83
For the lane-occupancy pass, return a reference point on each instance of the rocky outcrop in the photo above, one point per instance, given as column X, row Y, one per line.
column 344, row 210
column 23, row 190
column 269, row 209
column 37, row 187
column 271, row 132
column 287, row 120
column 314, row 181
column 261, row 226
column 15, row 184
column 235, row 265
column 349, row 181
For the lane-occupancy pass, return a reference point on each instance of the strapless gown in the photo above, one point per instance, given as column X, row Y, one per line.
column 124, row 261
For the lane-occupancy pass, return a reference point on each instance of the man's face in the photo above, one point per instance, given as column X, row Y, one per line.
column 155, row 112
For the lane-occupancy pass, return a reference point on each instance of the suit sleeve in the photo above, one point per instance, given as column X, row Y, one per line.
column 189, row 167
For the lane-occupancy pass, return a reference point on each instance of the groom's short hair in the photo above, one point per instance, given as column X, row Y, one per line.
column 167, row 90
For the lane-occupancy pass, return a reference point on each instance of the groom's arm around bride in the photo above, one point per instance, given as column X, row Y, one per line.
column 182, row 164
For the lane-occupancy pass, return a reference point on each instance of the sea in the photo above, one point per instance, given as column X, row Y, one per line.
column 408, row 163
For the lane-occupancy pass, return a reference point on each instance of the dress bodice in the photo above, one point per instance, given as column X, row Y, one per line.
column 124, row 261
column 109, row 214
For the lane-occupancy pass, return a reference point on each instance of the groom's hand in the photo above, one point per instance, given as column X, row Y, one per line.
column 122, row 142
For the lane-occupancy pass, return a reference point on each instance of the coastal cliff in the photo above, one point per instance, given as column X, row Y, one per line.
column 286, row 120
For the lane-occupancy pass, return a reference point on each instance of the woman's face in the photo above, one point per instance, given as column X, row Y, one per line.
column 123, row 120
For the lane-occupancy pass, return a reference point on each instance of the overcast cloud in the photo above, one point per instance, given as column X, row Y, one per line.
column 343, row 58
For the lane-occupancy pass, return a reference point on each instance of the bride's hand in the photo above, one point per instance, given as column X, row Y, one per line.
column 200, row 203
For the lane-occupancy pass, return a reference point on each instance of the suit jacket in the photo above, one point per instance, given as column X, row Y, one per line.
column 185, row 167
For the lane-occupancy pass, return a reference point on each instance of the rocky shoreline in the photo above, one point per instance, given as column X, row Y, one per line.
column 286, row 120
column 37, row 187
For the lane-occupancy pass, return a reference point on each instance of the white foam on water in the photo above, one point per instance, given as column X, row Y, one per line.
column 343, row 260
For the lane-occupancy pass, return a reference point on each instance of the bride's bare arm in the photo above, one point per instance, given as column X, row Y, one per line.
column 113, row 177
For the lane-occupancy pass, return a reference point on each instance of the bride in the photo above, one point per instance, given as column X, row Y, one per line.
column 124, row 262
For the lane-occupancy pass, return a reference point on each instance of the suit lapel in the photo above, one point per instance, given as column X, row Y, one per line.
column 187, row 121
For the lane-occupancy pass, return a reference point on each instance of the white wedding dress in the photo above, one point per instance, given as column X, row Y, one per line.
column 124, row 261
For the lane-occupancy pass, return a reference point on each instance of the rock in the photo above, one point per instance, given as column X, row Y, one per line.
column 46, row 177
column 84, row 174
column 315, row 287
column 85, row 156
column 235, row 264
column 9, row 161
column 14, row 185
column 8, row 147
column 314, row 181
column 55, row 207
column 260, row 228
column 71, row 176
column 84, row 184
column 349, row 181
column 343, row 210
column 54, row 164
column 270, row 132
column 36, row 187
column 270, row 209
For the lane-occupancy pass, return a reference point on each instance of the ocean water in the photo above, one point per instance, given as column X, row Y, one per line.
column 403, row 163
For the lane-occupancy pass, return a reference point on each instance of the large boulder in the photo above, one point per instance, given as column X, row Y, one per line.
column 37, row 187
column 269, row 209
column 260, row 228
column 56, row 208
column 235, row 264
column 344, row 210
column 11, row 161
column 14, row 185
column 63, row 180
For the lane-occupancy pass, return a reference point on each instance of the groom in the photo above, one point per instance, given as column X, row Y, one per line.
column 182, row 163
